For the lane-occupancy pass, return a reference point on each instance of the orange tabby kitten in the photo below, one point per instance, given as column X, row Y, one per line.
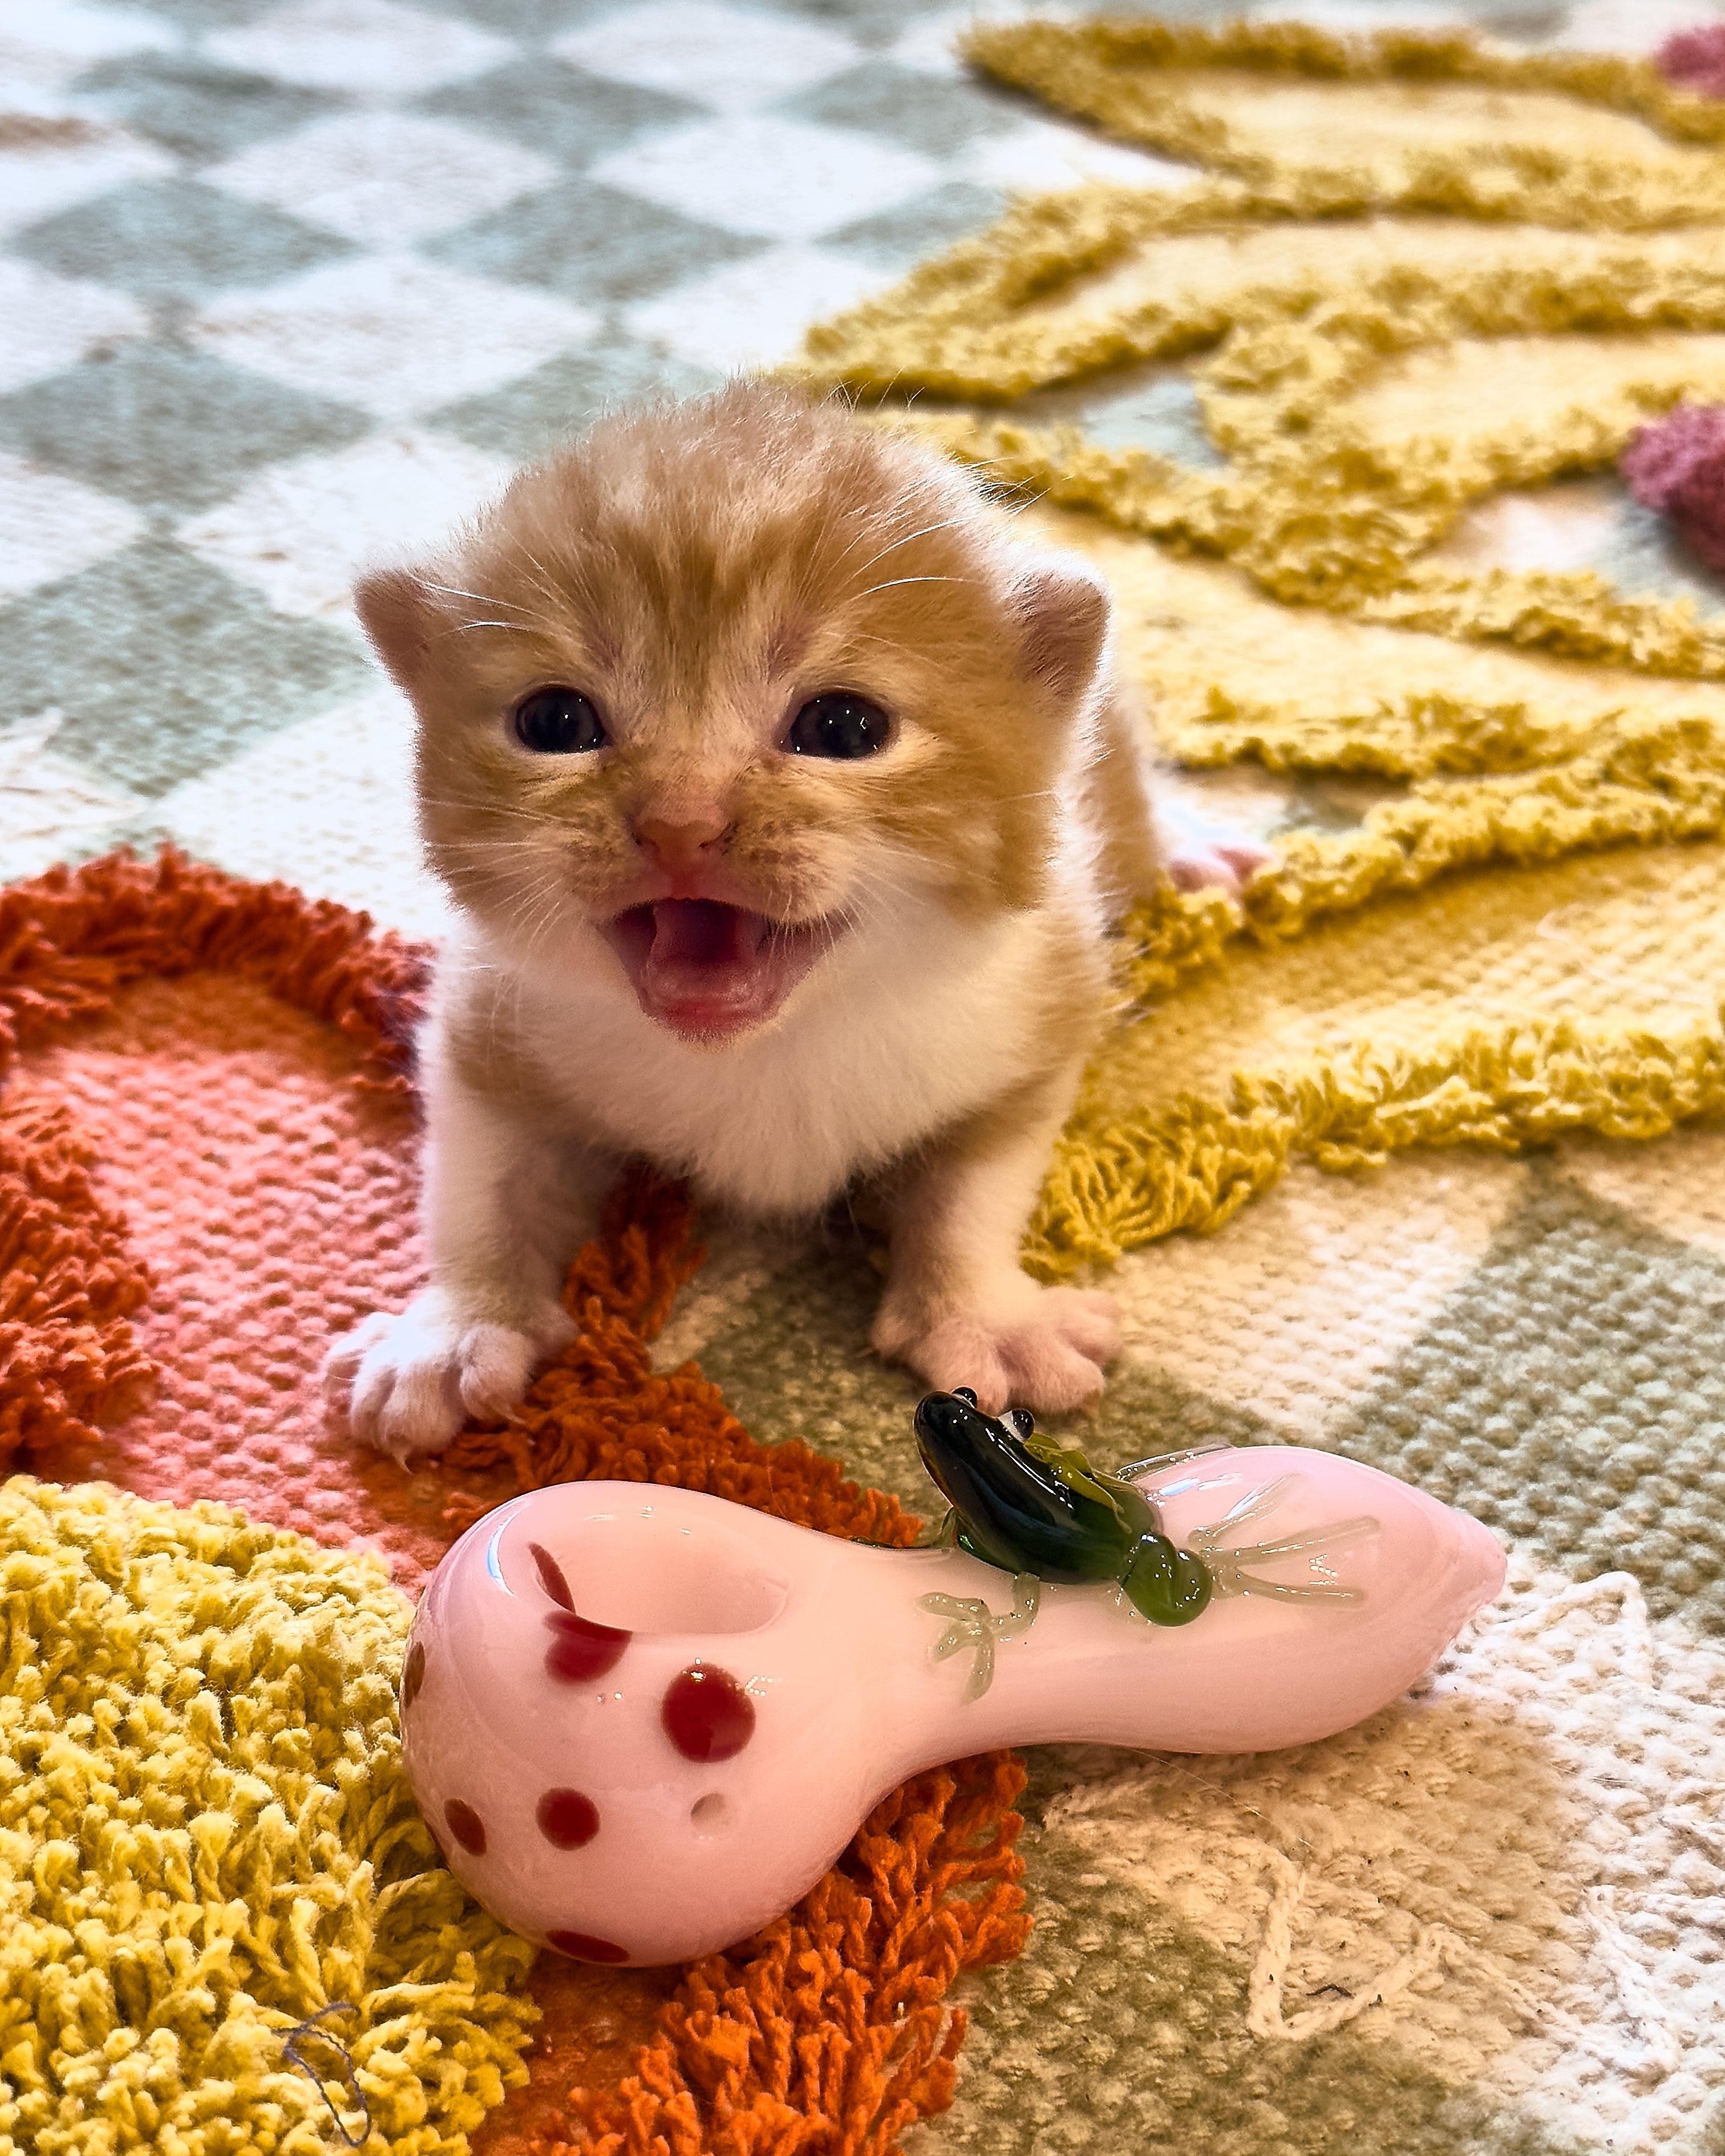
column 787, row 801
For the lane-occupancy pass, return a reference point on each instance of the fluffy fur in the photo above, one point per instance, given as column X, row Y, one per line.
column 783, row 974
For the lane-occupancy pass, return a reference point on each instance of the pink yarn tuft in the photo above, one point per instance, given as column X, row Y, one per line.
column 1695, row 59
column 1677, row 465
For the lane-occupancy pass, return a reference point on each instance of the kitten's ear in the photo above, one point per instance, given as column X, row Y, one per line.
column 402, row 619
column 1063, row 606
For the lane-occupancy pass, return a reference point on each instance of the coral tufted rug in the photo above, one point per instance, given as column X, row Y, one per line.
column 222, row 1061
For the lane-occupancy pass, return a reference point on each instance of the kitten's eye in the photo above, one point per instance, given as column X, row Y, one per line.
column 558, row 722
column 837, row 724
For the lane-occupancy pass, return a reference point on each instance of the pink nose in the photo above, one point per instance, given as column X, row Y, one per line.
column 679, row 845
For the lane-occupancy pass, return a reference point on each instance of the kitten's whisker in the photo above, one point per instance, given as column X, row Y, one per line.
column 492, row 808
column 546, row 623
column 547, row 880
column 555, row 915
column 893, row 583
column 536, row 910
column 479, row 599
column 515, row 846
column 907, row 539
column 537, row 906
column 552, row 599
column 544, row 583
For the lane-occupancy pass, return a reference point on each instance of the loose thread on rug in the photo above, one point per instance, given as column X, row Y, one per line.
column 291, row 2050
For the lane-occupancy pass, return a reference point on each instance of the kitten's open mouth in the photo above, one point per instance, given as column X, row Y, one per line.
column 707, row 969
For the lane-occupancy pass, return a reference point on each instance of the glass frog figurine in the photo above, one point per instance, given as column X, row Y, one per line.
column 1029, row 1506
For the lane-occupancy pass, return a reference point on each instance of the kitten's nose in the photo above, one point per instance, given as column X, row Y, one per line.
column 681, row 846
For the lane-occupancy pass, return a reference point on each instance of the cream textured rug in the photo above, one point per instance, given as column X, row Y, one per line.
column 1416, row 1157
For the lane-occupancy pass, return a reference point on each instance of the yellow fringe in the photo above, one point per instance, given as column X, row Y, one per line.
column 206, row 1837
column 1313, row 509
column 1421, row 736
column 1121, row 1181
column 1077, row 66
column 1641, row 781
column 1127, row 1180
column 1346, row 540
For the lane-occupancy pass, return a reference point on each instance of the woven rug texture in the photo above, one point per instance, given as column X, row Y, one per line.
column 1324, row 352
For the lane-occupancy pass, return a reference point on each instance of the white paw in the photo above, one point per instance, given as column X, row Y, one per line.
column 1039, row 1348
column 1203, row 855
column 411, row 1380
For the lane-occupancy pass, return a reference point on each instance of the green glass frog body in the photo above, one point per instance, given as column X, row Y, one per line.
column 1029, row 1505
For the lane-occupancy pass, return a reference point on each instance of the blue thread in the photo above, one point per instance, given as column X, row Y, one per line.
column 309, row 2028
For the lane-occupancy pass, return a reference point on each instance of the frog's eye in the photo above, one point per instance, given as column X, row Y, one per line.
column 1021, row 1420
column 964, row 1393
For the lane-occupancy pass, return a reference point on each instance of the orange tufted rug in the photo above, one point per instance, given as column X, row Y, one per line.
column 207, row 1143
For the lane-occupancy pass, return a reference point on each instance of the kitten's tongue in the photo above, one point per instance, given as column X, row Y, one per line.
column 704, row 968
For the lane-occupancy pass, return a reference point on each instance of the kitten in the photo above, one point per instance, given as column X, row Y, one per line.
column 786, row 801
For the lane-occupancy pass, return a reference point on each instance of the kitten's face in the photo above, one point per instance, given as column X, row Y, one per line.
column 727, row 686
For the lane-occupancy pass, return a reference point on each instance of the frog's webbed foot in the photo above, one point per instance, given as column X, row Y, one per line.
column 1229, row 1567
column 972, row 1624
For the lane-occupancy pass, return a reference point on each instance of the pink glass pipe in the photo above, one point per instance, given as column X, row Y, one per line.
column 643, row 1722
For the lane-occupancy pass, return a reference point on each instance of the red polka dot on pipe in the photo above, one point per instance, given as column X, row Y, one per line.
column 551, row 1576
column 707, row 1715
column 1695, row 59
column 466, row 1825
column 581, row 1650
column 583, row 1946
column 567, row 1819
column 414, row 1676
column 1677, row 466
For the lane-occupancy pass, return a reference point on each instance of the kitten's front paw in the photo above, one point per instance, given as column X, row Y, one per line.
column 413, row 1380
column 1040, row 1348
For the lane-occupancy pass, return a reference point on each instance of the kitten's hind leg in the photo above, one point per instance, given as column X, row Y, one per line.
column 958, row 1307
column 1200, row 854
column 506, row 1204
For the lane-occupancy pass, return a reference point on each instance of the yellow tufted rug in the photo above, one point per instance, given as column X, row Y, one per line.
column 1423, row 281
column 223, row 1929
